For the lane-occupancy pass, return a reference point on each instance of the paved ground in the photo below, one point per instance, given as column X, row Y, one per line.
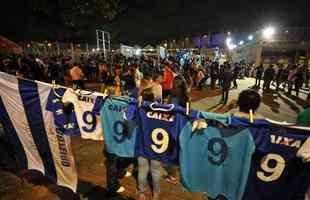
column 276, row 106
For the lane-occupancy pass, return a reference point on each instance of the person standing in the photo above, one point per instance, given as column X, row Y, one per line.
column 259, row 75
column 146, row 166
column 279, row 77
column 298, row 80
column 214, row 71
column 201, row 78
column 157, row 88
column 291, row 78
column 226, row 84
column 77, row 77
column 235, row 75
column 268, row 77
column 168, row 81
column 179, row 97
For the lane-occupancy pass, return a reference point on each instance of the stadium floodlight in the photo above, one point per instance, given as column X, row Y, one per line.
column 228, row 40
column 251, row 37
column 241, row 42
column 268, row 32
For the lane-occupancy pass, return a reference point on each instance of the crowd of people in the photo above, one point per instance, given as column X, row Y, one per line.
column 127, row 74
column 156, row 80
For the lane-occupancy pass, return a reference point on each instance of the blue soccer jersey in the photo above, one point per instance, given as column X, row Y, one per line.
column 119, row 135
column 216, row 160
column 276, row 171
column 64, row 118
column 159, row 127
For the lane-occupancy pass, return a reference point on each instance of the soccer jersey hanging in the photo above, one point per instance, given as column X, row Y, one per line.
column 216, row 160
column 159, row 127
column 278, row 170
column 89, row 125
column 119, row 136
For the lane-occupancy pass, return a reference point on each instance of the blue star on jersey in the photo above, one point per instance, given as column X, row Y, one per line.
column 159, row 127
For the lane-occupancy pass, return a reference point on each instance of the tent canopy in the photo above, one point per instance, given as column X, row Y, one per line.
column 7, row 46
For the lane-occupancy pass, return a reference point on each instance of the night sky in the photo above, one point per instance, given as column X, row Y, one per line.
column 150, row 21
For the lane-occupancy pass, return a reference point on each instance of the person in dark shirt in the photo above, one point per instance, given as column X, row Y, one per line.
column 279, row 77
column 235, row 75
column 268, row 77
column 214, row 71
column 298, row 81
column 226, row 83
column 259, row 75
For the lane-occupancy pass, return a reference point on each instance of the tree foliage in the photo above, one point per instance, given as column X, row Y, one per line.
column 75, row 13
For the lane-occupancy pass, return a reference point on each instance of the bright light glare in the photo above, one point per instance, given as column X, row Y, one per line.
column 230, row 44
column 269, row 32
column 241, row 42
column 251, row 37
column 138, row 52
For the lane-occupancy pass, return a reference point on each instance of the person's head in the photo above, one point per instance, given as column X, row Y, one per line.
column 226, row 68
column 180, row 90
column 148, row 95
column 248, row 100
column 157, row 78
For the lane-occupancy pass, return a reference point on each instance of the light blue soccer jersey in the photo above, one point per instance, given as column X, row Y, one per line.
column 119, row 136
column 216, row 160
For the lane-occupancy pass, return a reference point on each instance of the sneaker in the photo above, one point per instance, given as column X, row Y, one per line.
column 121, row 189
column 128, row 174
column 171, row 179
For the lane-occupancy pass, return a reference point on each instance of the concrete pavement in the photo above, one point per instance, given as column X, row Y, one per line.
column 276, row 106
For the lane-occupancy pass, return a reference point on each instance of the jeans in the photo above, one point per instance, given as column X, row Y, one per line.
column 267, row 84
column 116, row 169
column 225, row 93
column 235, row 82
column 144, row 168
column 290, row 86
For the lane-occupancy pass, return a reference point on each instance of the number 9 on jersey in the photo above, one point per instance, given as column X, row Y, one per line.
column 160, row 138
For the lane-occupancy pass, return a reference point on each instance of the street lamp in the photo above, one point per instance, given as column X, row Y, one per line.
column 268, row 32
column 241, row 42
column 251, row 37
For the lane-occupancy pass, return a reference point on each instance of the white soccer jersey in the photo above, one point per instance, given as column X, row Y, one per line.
column 88, row 123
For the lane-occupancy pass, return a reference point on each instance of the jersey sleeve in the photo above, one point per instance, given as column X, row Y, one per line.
column 99, row 103
column 53, row 99
column 222, row 118
column 304, row 151
column 64, row 117
column 69, row 96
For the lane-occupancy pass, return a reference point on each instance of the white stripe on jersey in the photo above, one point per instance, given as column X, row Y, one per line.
column 12, row 100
